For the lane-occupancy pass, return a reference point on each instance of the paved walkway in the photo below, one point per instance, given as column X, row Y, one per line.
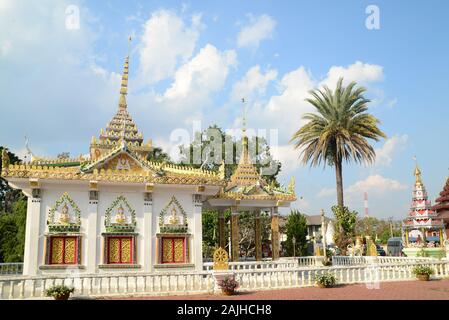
column 401, row 290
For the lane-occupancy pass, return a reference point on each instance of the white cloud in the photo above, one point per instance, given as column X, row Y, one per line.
column 392, row 103
column 326, row 192
column 285, row 110
column 375, row 184
column 166, row 42
column 258, row 29
column 203, row 74
column 359, row 72
column 394, row 145
column 289, row 158
column 5, row 48
column 252, row 84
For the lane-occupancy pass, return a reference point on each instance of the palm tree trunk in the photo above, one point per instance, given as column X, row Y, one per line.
column 339, row 178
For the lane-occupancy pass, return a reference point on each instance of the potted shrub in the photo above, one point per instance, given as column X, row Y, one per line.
column 59, row 292
column 228, row 286
column 325, row 280
column 422, row 273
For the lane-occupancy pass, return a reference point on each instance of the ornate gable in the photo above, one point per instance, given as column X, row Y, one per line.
column 120, row 216
column 173, row 218
column 64, row 216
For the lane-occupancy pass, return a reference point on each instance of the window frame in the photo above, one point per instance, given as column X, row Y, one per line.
column 184, row 240
column 120, row 238
column 64, row 238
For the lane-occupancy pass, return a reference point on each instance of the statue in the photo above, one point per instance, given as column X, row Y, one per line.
column 120, row 216
column 5, row 159
column 291, row 185
column 221, row 259
column 173, row 218
column 64, row 218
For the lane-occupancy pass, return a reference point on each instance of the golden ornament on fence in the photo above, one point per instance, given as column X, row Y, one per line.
column 221, row 259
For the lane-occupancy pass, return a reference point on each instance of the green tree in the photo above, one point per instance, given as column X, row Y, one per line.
column 8, row 195
column 204, row 148
column 338, row 131
column 210, row 232
column 345, row 227
column 157, row 154
column 296, row 227
column 12, row 231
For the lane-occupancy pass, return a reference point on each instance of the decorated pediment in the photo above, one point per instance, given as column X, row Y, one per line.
column 121, row 160
column 120, row 216
column 173, row 218
column 64, row 216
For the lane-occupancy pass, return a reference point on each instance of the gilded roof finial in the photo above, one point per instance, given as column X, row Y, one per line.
column 245, row 156
column 418, row 179
column 124, row 84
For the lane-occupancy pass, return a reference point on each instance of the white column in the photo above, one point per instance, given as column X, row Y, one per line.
column 31, row 254
column 147, row 232
column 197, row 249
column 92, row 235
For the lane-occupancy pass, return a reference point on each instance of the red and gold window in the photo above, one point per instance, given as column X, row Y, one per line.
column 120, row 250
column 63, row 250
column 173, row 250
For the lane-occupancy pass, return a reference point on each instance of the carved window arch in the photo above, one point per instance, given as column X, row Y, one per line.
column 120, row 216
column 64, row 216
column 173, row 218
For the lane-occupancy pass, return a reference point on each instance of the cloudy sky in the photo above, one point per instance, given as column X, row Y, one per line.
column 193, row 61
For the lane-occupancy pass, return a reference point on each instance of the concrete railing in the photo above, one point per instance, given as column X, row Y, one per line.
column 283, row 263
column 11, row 268
column 364, row 260
column 109, row 285
column 371, row 275
column 204, row 282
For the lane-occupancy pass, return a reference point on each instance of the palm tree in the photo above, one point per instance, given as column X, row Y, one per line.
column 338, row 130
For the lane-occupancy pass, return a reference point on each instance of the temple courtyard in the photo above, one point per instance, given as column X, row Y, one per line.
column 399, row 290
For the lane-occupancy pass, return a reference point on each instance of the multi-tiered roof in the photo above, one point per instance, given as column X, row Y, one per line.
column 118, row 155
column 442, row 202
column 421, row 213
column 121, row 129
column 247, row 183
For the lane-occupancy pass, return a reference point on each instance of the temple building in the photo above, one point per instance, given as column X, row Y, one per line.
column 422, row 229
column 441, row 206
column 116, row 211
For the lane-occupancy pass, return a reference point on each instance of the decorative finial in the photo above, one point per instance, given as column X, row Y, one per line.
column 124, row 84
column 418, row 179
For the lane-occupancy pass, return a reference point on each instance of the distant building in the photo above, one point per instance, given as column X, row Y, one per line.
column 441, row 207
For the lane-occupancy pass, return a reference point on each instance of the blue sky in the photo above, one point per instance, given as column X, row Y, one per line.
column 193, row 60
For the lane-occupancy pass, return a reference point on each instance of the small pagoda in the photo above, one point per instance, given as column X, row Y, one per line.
column 441, row 206
column 422, row 229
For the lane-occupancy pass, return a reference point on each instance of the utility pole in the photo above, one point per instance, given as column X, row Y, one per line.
column 391, row 227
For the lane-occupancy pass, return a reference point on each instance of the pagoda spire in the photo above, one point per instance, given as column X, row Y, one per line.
column 418, row 178
column 124, row 84
column 244, row 159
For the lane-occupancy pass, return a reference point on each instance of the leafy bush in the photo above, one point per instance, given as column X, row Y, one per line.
column 228, row 283
column 59, row 291
column 422, row 270
column 327, row 279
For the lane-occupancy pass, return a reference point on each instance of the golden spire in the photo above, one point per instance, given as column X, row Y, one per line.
column 124, row 85
column 245, row 154
column 418, row 179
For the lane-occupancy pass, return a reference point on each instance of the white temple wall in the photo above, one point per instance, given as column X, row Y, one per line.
column 93, row 225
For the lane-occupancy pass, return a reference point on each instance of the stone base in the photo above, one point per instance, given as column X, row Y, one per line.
column 430, row 252
column 219, row 276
